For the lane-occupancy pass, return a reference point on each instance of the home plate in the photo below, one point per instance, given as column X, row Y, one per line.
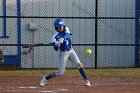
column 30, row 87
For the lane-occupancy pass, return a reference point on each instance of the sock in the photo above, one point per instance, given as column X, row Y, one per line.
column 50, row 76
column 83, row 74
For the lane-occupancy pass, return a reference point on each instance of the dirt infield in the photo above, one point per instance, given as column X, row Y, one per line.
column 65, row 84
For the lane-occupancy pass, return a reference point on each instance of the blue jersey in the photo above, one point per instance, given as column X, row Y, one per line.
column 66, row 45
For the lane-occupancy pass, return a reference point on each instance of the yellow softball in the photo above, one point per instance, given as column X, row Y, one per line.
column 88, row 51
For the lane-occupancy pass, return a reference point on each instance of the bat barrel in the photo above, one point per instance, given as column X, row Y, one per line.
column 33, row 45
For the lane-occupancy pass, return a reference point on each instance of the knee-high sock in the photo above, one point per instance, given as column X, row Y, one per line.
column 83, row 74
column 50, row 76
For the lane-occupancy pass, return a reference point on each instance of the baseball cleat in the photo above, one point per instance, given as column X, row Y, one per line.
column 43, row 81
column 88, row 83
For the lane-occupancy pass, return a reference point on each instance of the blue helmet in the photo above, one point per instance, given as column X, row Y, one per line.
column 59, row 22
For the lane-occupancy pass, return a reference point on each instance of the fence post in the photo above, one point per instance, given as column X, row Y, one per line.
column 96, row 32
column 136, row 33
column 19, row 31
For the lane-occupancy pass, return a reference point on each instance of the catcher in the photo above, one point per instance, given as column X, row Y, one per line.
column 61, row 41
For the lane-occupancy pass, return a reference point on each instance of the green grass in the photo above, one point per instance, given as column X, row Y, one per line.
column 127, row 72
column 123, row 72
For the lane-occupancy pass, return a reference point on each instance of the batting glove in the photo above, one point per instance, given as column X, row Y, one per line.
column 61, row 40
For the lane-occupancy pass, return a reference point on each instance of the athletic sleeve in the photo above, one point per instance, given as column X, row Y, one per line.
column 53, row 37
column 53, row 42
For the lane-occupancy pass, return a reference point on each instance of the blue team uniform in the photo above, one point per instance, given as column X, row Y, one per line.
column 66, row 45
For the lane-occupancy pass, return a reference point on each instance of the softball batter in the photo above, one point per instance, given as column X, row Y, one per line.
column 61, row 42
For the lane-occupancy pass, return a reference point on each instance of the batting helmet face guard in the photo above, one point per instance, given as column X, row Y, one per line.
column 59, row 22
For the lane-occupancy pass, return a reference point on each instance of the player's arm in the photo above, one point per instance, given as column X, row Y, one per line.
column 67, row 33
column 55, row 46
column 55, row 43
column 66, row 36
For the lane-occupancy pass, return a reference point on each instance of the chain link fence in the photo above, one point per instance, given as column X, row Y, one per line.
column 106, row 27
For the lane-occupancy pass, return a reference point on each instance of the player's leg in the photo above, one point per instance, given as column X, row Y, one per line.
column 63, row 57
column 74, row 58
column 61, row 68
